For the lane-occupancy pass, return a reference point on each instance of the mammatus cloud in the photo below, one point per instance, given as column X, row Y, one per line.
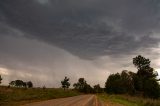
column 50, row 39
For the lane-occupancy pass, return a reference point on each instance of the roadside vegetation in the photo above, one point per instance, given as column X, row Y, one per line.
column 142, row 86
column 127, row 100
column 143, row 83
column 17, row 96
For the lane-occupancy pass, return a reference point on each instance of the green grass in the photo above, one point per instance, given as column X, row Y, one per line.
column 127, row 100
column 19, row 96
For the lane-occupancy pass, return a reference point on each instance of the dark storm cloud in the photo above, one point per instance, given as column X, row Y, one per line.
column 86, row 28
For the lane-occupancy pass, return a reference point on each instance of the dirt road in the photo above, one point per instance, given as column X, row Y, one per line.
column 82, row 100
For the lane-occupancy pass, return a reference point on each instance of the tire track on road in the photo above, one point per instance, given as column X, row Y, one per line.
column 82, row 100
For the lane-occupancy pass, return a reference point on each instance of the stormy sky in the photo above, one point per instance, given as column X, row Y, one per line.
column 45, row 40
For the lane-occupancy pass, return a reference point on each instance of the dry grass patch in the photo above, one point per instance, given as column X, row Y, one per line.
column 126, row 100
column 19, row 96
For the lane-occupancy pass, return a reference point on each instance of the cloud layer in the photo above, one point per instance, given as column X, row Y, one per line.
column 76, row 37
column 87, row 28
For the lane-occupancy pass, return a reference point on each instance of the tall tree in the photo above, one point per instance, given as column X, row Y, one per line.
column 12, row 83
column 114, row 84
column 151, row 88
column 65, row 83
column 29, row 84
column 127, row 81
column 143, row 66
column 120, row 83
column 19, row 83
column 82, row 86
column 0, row 79
column 97, row 88
column 145, row 80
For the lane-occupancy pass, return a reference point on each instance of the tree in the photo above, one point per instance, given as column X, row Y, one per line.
column 120, row 83
column 143, row 82
column 29, row 84
column 82, row 86
column 24, row 84
column 17, row 83
column 127, row 81
column 145, row 79
column 143, row 66
column 151, row 88
column 65, row 83
column 12, row 83
column 20, row 83
column 44, row 87
column 0, row 79
column 114, row 84
column 97, row 88
column 88, row 89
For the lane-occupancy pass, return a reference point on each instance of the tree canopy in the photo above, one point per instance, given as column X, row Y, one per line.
column 21, row 84
column 82, row 86
column 65, row 83
column 97, row 89
column 29, row 84
column 0, row 79
column 143, row 82
column 143, row 66
column 120, row 83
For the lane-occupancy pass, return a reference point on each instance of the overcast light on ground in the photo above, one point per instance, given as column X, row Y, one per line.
column 46, row 40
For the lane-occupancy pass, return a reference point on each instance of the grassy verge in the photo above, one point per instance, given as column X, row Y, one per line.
column 19, row 96
column 127, row 100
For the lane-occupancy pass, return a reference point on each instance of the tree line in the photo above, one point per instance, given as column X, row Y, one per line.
column 144, row 82
column 82, row 86
column 19, row 83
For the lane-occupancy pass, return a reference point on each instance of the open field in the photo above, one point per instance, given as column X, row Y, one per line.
column 126, row 100
column 19, row 96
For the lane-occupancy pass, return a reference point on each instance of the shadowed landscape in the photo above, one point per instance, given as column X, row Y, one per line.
column 79, row 53
column 126, row 88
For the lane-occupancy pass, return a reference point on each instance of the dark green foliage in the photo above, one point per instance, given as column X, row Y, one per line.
column 12, row 83
column 44, row 87
column 138, row 83
column 0, row 79
column 65, row 83
column 82, row 86
column 113, row 84
column 151, row 88
column 140, row 62
column 127, row 81
column 143, row 66
column 25, row 84
column 87, row 89
column 97, row 89
column 21, row 84
column 29, row 84
column 143, row 82
column 120, row 83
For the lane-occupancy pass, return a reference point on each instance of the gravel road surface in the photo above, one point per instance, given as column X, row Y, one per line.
column 82, row 100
